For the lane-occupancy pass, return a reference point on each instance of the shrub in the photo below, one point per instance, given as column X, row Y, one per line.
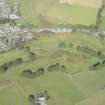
column 32, row 56
column 40, row 72
column 70, row 45
column 54, row 67
column 103, row 62
column 62, row 45
column 46, row 95
column 32, row 99
column 18, row 61
column 27, row 49
column 95, row 66
column 3, row 68
column 28, row 73
column 57, row 67
column 63, row 68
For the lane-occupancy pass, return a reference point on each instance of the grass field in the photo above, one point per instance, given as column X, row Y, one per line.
column 79, row 86
column 45, row 12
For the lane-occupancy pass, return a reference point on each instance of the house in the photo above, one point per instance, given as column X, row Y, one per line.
column 42, row 100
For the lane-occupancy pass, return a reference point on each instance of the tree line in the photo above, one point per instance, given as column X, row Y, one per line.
column 99, row 15
column 4, row 67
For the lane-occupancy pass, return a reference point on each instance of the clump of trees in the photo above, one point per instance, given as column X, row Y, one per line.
column 30, row 74
column 32, row 56
column 63, row 68
column 6, row 66
column 27, row 49
column 56, row 67
column 41, row 71
column 97, row 65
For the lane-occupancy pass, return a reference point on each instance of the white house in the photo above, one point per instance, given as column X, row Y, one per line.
column 42, row 100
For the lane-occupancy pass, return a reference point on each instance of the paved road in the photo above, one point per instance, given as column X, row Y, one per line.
column 68, row 30
column 52, row 29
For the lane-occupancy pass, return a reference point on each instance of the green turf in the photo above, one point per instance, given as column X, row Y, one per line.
column 79, row 85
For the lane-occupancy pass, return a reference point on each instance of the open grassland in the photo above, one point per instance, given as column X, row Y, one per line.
column 47, row 12
column 79, row 86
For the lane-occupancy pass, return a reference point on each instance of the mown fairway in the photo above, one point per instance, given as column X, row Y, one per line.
column 45, row 12
column 77, row 86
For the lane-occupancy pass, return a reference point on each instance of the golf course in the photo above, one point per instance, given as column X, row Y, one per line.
column 73, row 63
column 77, row 85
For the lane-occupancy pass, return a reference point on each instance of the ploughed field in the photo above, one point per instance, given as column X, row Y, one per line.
column 81, row 81
column 55, row 12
